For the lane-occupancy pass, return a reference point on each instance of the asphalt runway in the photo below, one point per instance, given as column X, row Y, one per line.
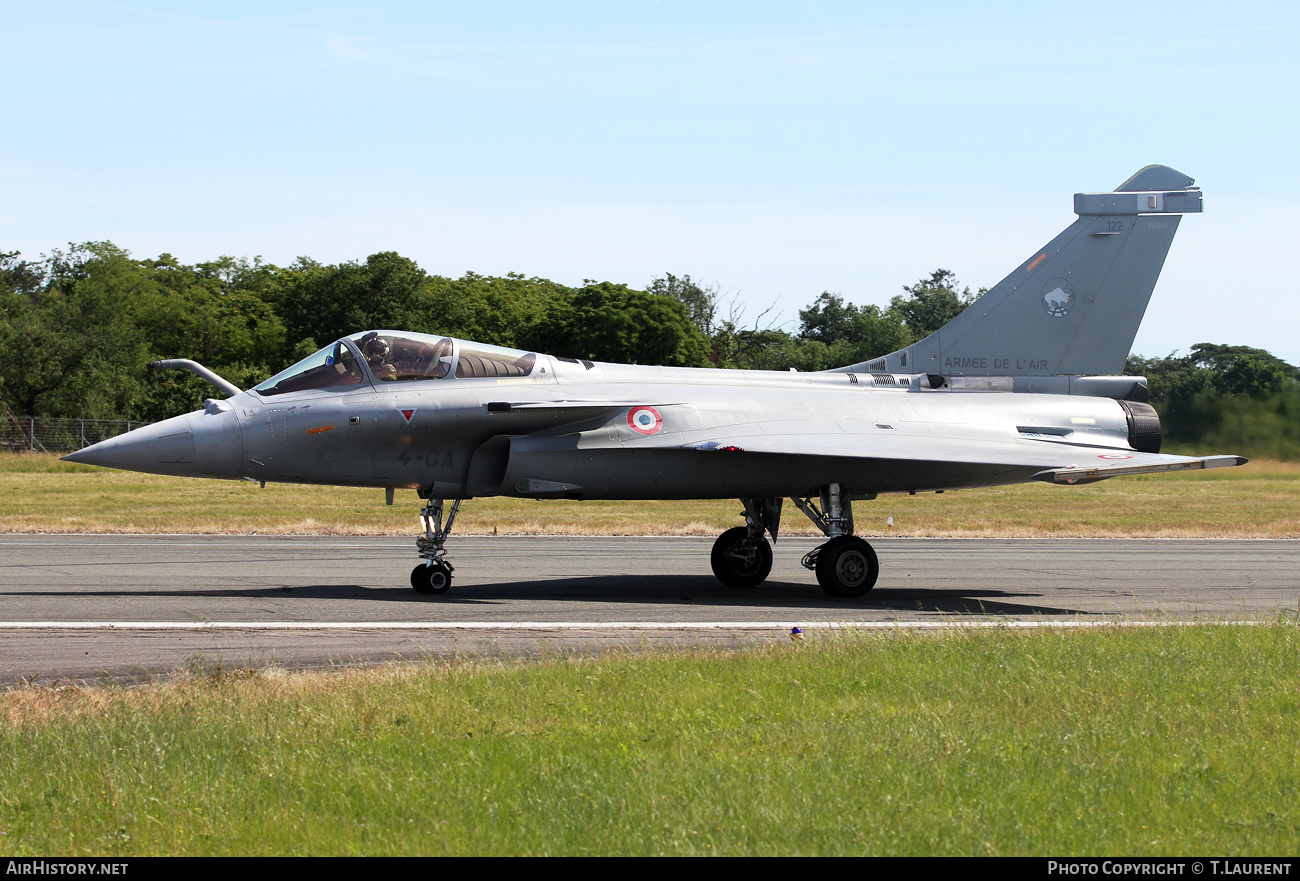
column 126, row 608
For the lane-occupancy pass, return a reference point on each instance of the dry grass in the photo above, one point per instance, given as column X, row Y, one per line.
column 40, row 494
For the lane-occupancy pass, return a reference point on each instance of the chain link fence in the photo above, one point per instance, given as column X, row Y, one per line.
column 47, row 434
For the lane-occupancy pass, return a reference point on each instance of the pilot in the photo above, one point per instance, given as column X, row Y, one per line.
column 375, row 348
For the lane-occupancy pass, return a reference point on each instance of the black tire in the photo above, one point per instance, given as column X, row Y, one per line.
column 431, row 579
column 739, row 562
column 847, row 567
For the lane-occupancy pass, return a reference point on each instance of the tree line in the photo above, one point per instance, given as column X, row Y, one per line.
column 1220, row 398
column 78, row 327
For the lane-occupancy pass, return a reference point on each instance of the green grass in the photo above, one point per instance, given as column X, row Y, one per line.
column 1169, row 740
column 38, row 493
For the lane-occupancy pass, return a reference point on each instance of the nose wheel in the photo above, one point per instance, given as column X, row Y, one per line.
column 432, row 578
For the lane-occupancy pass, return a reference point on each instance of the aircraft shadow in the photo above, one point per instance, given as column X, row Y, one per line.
column 772, row 594
column 662, row 590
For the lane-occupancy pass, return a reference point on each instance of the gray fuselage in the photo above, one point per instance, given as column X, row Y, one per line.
column 567, row 430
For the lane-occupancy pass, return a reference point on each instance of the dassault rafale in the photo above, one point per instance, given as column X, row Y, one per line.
column 1020, row 386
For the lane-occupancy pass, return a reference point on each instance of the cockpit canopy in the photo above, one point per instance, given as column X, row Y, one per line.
column 391, row 356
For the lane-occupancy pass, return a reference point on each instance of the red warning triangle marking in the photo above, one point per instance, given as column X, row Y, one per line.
column 407, row 414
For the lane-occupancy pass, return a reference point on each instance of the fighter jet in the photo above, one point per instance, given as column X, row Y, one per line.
column 1020, row 386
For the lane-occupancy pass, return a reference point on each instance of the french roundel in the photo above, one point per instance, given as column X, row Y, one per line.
column 644, row 420
column 1105, row 456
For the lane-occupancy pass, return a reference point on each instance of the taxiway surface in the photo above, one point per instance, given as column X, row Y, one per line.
column 85, row 607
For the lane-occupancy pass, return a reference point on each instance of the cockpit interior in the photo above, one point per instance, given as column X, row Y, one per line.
column 389, row 356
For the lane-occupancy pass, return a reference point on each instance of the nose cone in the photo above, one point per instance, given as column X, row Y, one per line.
column 194, row 445
column 165, row 447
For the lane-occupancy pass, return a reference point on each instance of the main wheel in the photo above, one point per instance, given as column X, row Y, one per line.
column 740, row 562
column 431, row 579
column 847, row 566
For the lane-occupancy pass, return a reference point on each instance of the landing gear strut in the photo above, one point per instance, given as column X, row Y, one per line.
column 846, row 566
column 434, row 574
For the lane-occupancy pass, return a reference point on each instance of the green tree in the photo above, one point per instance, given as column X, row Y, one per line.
column 611, row 322
column 323, row 303
column 828, row 319
column 1232, row 398
column 851, row 334
column 931, row 303
column 19, row 276
column 701, row 302
column 490, row 309
column 70, row 346
column 772, row 349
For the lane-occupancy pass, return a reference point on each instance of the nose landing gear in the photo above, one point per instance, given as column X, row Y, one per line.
column 433, row 576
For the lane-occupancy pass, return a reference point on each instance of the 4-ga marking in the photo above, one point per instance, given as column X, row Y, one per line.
column 432, row 458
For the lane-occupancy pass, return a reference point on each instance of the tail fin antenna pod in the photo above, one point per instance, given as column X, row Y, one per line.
column 1075, row 305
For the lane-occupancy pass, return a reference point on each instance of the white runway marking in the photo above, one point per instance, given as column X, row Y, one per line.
column 589, row 625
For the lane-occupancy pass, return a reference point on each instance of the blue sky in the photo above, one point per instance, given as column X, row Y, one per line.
column 776, row 149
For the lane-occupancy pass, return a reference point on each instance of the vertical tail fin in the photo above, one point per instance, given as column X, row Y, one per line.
column 1074, row 306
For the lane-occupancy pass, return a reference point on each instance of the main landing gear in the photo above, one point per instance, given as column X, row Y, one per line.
column 434, row 574
column 846, row 566
column 740, row 560
column 742, row 557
